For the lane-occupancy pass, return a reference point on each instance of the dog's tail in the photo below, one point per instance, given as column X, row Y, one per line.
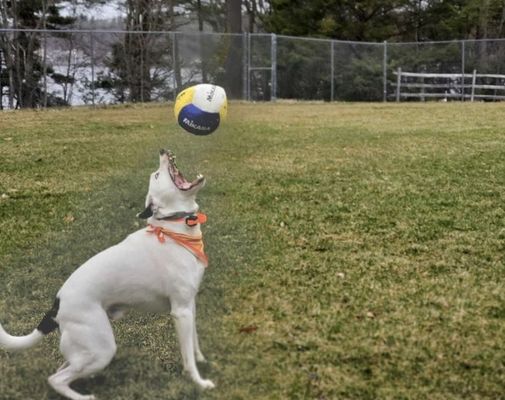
column 47, row 325
column 9, row 342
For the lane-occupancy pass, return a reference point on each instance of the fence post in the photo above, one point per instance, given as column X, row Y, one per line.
column 1, row 74
column 248, row 67
column 273, row 94
column 398, row 83
column 463, row 71
column 92, row 44
column 11, row 82
column 385, row 73
column 423, row 89
column 44, row 71
column 245, row 66
column 174, row 63
column 332, row 67
column 474, row 77
column 141, row 41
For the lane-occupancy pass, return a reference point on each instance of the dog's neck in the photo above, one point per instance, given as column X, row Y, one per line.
column 181, row 222
column 177, row 215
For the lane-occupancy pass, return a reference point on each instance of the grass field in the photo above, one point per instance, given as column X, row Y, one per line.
column 356, row 250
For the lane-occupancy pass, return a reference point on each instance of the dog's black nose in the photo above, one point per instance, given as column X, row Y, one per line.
column 163, row 152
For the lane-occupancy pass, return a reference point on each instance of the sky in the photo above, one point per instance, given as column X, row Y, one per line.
column 105, row 11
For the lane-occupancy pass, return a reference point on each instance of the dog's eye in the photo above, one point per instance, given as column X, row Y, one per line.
column 156, row 175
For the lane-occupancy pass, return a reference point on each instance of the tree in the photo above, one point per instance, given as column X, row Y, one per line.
column 363, row 20
column 255, row 10
column 136, row 68
column 233, row 64
column 25, row 68
column 400, row 20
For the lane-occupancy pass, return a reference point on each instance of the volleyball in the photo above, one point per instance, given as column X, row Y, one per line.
column 199, row 109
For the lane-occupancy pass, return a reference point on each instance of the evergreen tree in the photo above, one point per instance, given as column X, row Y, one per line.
column 397, row 20
column 363, row 20
column 24, row 67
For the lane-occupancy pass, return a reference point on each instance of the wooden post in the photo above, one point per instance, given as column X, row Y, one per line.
column 273, row 58
column 245, row 66
column 422, row 90
column 92, row 46
column 385, row 72
column 398, row 83
column 332, row 70
column 474, row 77
column 462, row 70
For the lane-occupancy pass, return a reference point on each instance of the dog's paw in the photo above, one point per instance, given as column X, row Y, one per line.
column 207, row 384
column 200, row 358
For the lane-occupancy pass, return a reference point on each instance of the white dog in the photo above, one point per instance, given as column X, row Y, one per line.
column 157, row 269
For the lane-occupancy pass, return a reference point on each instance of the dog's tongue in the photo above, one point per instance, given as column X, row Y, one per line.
column 181, row 182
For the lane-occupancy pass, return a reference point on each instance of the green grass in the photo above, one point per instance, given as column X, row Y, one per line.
column 357, row 250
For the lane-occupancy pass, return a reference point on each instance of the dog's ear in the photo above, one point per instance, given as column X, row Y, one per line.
column 148, row 212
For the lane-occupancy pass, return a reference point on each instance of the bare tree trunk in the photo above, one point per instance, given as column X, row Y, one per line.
column 27, row 81
column 44, row 60
column 502, row 21
column 67, row 81
column 138, row 47
column 1, row 85
column 22, row 57
column 202, row 41
column 176, row 63
column 252, row 9
column 234, row 16
column 32, row 91
column 3, row 40
column 482, row 34
column 6, row 45
column 131, row 22
column 234, row 61
column 17, row 56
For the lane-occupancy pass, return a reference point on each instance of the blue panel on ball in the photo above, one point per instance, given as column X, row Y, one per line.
column 197, row 121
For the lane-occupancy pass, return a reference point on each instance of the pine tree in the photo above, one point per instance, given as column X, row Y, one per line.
column 24, row 67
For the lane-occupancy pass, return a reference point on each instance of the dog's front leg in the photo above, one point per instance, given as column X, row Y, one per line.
column 184, row 324
column 198, row 353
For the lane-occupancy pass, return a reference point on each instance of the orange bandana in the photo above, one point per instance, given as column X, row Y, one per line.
column 192, row 243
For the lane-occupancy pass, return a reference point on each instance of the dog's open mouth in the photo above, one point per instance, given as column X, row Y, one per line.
column 176, row 175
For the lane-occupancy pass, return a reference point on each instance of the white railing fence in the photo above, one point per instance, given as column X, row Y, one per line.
column 463, row 87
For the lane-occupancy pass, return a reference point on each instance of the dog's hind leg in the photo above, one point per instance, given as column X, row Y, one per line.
column 88, row 347
column 184, row 324
column 63, row 366
column 61, row 380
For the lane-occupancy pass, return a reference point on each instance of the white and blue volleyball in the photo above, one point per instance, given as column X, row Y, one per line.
column 200, row 109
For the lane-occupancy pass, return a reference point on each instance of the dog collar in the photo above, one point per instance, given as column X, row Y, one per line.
column 190, row 219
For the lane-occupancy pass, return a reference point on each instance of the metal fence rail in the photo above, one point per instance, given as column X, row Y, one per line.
column 73, row 67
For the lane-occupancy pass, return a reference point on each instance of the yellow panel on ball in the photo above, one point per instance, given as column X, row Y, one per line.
column 183, row 99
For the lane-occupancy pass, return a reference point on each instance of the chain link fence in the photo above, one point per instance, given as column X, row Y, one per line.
column 44, row 68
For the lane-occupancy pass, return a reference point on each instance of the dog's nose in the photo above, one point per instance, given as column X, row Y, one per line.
column 163, row 152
